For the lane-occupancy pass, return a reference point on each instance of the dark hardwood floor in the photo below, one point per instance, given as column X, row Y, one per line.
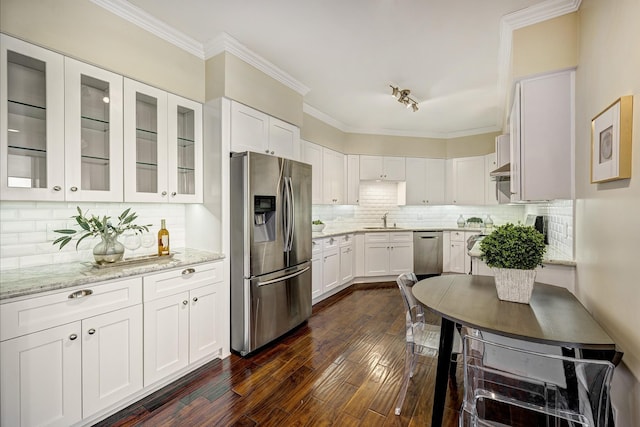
column 342, row 368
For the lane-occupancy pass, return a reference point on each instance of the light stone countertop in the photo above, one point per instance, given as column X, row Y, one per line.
column 32, row 280
column 551, row 256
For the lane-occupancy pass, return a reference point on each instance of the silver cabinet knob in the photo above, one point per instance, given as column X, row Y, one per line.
column 272, row 152
column 266, row 151
column 57, row 188
column 188, row 271
column 74, row 189
column 173, row 194
column 185, row 302
column 72, row 337
column 91, row 331
column 164, row 193
column 195, row 299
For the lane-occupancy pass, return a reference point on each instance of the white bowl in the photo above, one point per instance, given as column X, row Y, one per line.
column 317, row 228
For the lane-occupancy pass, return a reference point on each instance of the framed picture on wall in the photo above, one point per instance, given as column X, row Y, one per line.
column 611, row 142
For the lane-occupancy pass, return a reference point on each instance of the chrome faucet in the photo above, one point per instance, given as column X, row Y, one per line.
column 384, row 219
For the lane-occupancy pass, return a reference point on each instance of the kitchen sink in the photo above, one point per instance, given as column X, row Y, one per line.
column 382, row 228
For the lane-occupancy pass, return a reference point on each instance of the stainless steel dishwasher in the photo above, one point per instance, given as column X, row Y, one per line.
column 427, row 252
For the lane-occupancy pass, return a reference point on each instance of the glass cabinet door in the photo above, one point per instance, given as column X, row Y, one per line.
column 31, row 121
column 185, row 150
column 145, row 143
column 93, row 130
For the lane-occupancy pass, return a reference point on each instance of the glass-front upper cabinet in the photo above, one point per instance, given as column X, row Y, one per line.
column 185, row 150
column 31, row 121
column 93, row 132
column 145, row 143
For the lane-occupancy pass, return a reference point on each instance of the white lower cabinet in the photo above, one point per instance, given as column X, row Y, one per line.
column 187, row 324
column 459, row 259
column 330, row 264
column 88, row 358
column 388, row 253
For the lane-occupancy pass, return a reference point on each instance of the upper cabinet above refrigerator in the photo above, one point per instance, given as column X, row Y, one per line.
column 253, row 130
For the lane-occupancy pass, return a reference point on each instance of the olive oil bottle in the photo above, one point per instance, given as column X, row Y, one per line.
column 163, row 239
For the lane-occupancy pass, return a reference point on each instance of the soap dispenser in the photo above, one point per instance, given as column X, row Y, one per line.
column 461, row 221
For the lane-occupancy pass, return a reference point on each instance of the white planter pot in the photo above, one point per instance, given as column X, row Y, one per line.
column 513, row 284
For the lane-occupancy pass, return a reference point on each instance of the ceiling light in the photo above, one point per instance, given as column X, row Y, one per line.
column 403, row 97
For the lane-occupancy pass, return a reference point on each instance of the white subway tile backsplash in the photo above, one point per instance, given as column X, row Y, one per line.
column 27, row 230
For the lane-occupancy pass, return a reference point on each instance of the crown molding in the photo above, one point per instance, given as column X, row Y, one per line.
column 308, row 109
column 142, row 19
column 508, row 24
column 225, row 43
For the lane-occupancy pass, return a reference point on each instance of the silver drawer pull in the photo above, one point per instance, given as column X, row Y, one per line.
column 195, row 299
column 81, row 293
column 72, row 337
column 185, row 302
column 91, row 331
column 188, row 271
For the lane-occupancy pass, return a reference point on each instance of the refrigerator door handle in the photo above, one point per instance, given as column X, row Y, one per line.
column 292, row 217
column 283, row 278
column 286, row 201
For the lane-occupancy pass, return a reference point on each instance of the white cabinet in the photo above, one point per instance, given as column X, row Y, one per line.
column 162, row 146
column 93, row 133
column 425, row 181
column 312, row 154
column 332, row 177
column 330, row 264
column 382, row 168
column 253, row 130
column 347, row 258
column 316, row 269
column 491, row 189
column 388, row 253
column 542, row 138
column 184, row 319
column 459, row 260
column 353, row 179
column 70, row 354
column 31, row 122
column 469, row 179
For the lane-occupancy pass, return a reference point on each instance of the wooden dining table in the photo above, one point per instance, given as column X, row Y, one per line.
column 553, row 316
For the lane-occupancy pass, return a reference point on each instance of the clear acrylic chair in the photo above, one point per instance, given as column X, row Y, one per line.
column 556, row 386
column 422, row 339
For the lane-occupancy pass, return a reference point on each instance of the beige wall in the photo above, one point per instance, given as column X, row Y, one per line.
column 321, row 133
column 475, row 145
column 248, row 85
column 386, row 145
column 83, row 30
column 549, row 45
column 607, row 215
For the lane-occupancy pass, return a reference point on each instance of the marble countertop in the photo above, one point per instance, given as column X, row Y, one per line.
column 32, row 280
column 346, row 230
column 551, row 256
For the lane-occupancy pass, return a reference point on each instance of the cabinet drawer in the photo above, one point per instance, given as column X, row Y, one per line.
column 376, row 237
column 457, row 236
column 345, row 240
column 189, row 277
column 330, row 243
column 405, row 236
column 35, row 314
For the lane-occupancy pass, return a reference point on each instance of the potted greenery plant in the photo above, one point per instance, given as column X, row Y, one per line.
column 109, row 249
column 317, row 225
column 513, row 252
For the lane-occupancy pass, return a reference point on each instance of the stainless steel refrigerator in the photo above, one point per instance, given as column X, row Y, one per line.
column 270, row 248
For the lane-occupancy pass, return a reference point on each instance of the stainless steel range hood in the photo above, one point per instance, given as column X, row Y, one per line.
column 503, row 172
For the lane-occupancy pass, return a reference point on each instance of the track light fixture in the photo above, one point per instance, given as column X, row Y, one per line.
column 403, row 97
